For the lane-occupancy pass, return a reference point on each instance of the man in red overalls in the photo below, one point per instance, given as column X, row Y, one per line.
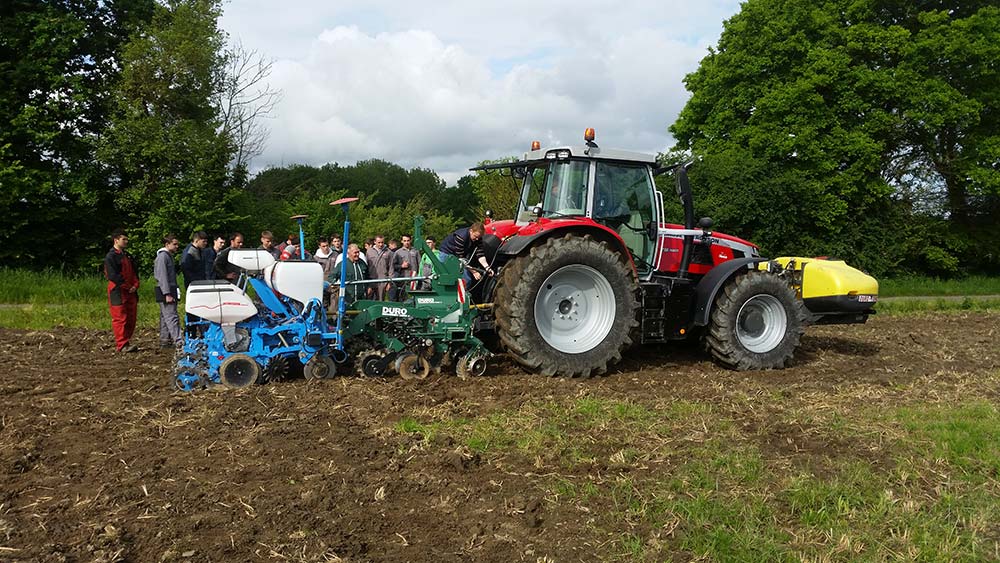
column 123, row 291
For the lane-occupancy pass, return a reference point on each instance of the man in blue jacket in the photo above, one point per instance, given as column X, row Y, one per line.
column 467, row 243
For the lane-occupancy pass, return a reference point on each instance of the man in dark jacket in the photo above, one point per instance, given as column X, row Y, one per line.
column 193, row 259
column 123, row 291
column 357, row 270
column 167, row 293
column 467, row 244
column 223, row 269
column 211, row 253
column 267, row 243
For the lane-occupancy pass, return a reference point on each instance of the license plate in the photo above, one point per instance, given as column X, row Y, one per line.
column 867, row 298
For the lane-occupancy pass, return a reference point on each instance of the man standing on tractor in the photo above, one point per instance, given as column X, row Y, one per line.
column 467, row 244
column 123, row 291
column 167, row 293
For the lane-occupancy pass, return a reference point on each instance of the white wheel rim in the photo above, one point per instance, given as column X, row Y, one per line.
column 575, row 309
column 761, row 323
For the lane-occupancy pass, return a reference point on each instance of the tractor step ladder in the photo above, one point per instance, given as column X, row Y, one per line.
column 653, row 320
column 666, row 308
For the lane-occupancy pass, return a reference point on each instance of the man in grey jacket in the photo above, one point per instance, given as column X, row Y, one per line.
column 167, row 294
column 379, row 266
column 405, row 264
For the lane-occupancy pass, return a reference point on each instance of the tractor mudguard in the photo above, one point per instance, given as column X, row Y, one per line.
column 709, row 286
column 517, row 244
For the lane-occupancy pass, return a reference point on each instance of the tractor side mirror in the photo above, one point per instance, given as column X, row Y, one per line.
column 652, row 230
column 705, row 223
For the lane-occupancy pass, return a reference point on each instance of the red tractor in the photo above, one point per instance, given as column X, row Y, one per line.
column 590, row 266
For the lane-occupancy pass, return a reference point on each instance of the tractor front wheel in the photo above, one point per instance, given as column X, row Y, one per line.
column 567, row 308
column 756, row 323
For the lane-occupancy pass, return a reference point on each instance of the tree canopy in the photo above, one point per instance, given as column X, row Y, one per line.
column 862, row 128
column 58, row 63
column 391, row 196
column 164, row 144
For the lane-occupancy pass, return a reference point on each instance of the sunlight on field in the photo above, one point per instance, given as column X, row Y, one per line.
column 661, row 477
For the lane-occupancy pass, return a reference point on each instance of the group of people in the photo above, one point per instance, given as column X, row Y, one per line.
column 206, row 258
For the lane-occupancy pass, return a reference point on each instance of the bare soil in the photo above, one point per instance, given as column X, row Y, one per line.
column 102, row 460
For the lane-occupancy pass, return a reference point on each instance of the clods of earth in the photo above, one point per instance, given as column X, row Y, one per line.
column 101, row 459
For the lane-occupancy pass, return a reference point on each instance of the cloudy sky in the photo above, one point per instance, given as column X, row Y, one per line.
column 445, row 84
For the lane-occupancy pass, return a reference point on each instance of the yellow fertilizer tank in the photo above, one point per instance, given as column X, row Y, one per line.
column 832, row 291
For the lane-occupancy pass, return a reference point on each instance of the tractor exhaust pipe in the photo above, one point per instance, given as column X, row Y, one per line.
column 687, row 201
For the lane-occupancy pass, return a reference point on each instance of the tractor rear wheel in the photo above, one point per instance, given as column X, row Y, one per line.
column 756, row 323
column 567, row 308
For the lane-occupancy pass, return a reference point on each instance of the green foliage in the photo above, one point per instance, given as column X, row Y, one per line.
column 390, row 197
column 922, row 285
column 58, row 61
column 51, row 298
column 163, row 142
column 815, row 120
column 496, row 190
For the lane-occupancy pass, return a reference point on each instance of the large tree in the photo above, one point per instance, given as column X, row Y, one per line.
column 831, row 126
column 58, row 60
column 166, row 144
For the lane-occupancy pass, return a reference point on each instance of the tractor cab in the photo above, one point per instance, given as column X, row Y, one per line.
column 573, row 185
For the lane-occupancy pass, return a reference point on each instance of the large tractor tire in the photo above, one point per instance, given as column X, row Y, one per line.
column 568, row 307
column 756, row 323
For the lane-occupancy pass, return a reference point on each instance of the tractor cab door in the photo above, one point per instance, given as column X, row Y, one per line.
column 624, row 201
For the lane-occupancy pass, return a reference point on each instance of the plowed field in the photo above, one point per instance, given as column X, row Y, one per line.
column 102, row 460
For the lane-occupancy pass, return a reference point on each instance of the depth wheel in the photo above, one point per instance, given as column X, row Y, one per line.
column 371, row 363
column 470, row 367
column 239, row 370
column 190, row 379
column 568, row 308
column 756, row 323
column 414, row 367
column 320, row 367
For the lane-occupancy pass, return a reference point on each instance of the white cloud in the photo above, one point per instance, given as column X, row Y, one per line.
column 447, row 84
